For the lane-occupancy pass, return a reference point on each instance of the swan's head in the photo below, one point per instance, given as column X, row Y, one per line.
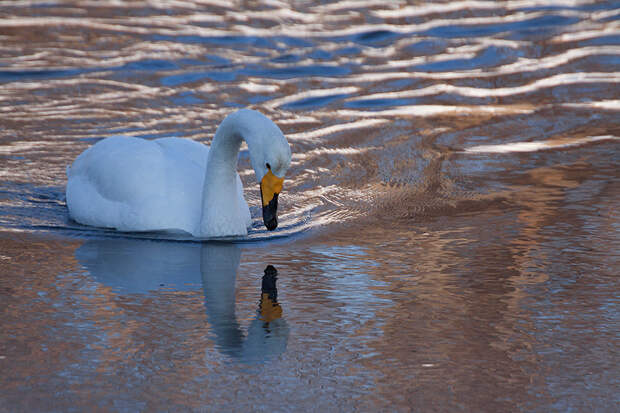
column 270, row 155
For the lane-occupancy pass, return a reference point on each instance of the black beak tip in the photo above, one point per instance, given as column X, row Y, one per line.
column 270, row 217
column 271, row 224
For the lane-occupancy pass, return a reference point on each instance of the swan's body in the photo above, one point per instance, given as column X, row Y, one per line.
column 133, row 184
column 173, row 184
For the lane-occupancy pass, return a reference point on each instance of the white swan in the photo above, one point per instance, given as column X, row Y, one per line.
column 173, row 184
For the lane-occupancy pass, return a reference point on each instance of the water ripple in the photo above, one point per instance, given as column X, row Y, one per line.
column 448, row 232
column 353, row 84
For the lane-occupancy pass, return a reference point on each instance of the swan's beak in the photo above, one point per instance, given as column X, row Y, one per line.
column 270, row 187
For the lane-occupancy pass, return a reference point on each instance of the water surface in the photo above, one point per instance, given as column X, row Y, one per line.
column 448, row 234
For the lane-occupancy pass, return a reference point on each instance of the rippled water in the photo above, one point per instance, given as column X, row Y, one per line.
column 449, row 231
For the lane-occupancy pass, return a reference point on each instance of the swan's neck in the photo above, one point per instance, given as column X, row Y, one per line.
column 220, row 202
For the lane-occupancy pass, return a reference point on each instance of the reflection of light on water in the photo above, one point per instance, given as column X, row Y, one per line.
column 603, row 104
column 446, row 110
column 23, row 147
column 258, row 88
column 317, row 133
column 586, row 34
column 463, row 52
column 523, row 65
column 312, row 94
column 325, row 31
column 425, row 9
column 332, row 151
column 539, row 145
column 553, row 81
column 350, row 4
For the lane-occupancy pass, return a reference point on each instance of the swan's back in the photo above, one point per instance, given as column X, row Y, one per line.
column 133, row 184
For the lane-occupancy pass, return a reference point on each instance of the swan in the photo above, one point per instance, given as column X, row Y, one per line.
column 178, row 185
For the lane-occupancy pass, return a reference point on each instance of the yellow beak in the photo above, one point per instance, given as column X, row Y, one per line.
column 270, row 188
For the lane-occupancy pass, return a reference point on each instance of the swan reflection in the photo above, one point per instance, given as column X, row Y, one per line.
column 267, row 333
column 142, row 267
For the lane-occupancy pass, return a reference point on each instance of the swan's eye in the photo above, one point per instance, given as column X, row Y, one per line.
column 268, row 166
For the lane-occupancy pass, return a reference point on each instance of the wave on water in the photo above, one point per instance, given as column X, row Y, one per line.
column 392, row 110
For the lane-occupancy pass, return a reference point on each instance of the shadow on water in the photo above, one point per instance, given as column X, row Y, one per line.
column 144, row 267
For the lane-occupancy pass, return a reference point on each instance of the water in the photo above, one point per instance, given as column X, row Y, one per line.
column 449, row 232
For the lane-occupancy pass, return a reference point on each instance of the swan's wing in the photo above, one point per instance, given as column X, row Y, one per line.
column 185, row 149
column 121, row 168
column 133, row 184
column 108, row 178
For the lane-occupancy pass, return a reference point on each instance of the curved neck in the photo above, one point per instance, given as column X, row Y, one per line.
column 224, row 151
column 234, row 129
column 220, row 201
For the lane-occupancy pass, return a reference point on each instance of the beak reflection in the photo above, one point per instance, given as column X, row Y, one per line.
column 270, row 188
column 270, row 309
